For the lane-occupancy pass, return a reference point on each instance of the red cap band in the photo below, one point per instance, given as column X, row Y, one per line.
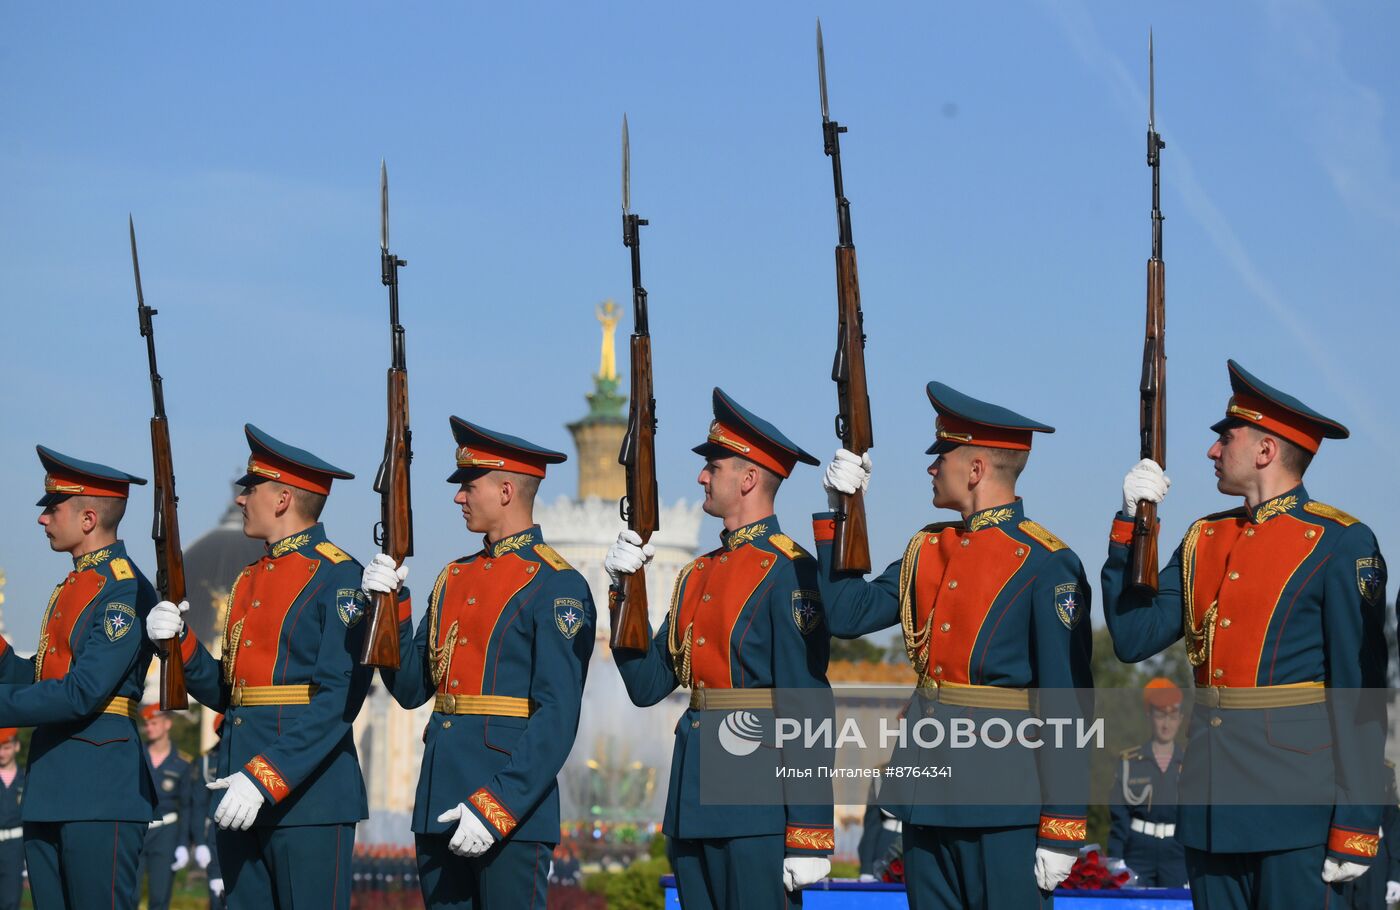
column 759, row 449
column 1270, row 418
column 75, row 485
column 271, row 467
column 970, row 433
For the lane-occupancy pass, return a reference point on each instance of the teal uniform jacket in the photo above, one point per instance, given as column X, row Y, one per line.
column 1290, row 594
column 515, row 624
column 174, row 782
column 85, row 764
column 747, row 615
column 294, row 619
column 996, row 601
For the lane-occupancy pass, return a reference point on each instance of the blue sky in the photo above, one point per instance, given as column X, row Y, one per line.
column 995, row 166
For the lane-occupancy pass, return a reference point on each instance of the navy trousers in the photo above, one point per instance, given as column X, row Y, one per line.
column 80, row 865
column 512, row 874
column 157, row 856
column 300, row 867
column 731, row 872
column 1160, row 862
column 1260, row 881
column 11, row 873
column 971, row 869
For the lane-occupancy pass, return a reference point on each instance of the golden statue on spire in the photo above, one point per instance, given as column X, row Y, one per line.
column 607, row 363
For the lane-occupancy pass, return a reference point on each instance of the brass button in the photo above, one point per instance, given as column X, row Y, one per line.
column 247, row 572
column 470, row 601
column 705, row 598
column 1215, row 721
column 937, row 671
column 489, row 565
column 1248, row 532
column 53, row 650
column 933, row 540
column 57, row 615
column 724, row 559
column 946, row 626
column 311, row 568
column 700, row 640
column 238, row 721
column 447, row 725
column 1234, row 575
column 764, row 564
column 72, row 578
column 966, row 541
column 1218, row 673
column 247, row 642
column 1309, row 533
column 462, row 640
column 695, row 725
column 700, row 564
column 243, row 682
column 531, row 570
column 1224, row 623
column 953, row 583
column 699, row 684
column 1020, row 551
column 454, row 683
column 256, row 604
column 1210, row 532
column 455, row 570
column 270, row 567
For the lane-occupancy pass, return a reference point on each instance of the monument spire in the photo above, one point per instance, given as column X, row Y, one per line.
column 598, row 436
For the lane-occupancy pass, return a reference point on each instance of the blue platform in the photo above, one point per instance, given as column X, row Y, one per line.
column 847, row 895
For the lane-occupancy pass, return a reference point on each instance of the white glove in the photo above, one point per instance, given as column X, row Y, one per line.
column 382, row 576
column 847, row 473
column 182, row 859
column 866, row 877
column 202, row 856
column 1392, row 892
column 801, row 871
column 216, row 887
column 1335, row 873
column 240, row 804
column 1053, row 865
column 1144, row 481
column 627, row 555
column 471, row 838
column 165, row 621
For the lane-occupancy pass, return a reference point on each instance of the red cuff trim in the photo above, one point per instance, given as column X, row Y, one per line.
column 824, row 530
column 809, row 838
column 1069, row 830
column 1122, row 532
column 188, row 644
column 405, row 610
column 495, row 813
column 1350, row 842
column 272, row 781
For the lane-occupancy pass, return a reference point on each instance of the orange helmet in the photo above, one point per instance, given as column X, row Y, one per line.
column 1161, row 692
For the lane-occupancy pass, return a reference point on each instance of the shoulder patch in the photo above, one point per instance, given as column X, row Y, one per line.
column 121, row 570
column 1041, row 536
column 350, row 604
column 1237, row 512
column 1134, row 752
column 550, row 557
column 568, row 616
column 117, row 620
column 1069, row 606
column 332, row 552
column 787, row 546
column 1324, row 510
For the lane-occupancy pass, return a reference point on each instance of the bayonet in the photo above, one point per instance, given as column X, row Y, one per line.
column 383, row 206
column 821, row 72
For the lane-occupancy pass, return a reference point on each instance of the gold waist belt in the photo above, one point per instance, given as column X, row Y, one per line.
column 731, row 699
column 245, row 696
column 967, row 695
column 123, row 707
column 494, row 705
column 1285, row 696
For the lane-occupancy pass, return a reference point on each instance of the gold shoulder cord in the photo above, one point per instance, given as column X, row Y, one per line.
column 677, row 648
column 44, row 635
column 915, row 641
column 231, row 640
column 1199, row 639
column 439, row 659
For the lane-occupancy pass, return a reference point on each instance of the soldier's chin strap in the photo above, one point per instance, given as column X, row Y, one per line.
column 1129, row 797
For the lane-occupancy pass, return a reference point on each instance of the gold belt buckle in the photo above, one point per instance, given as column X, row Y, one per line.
column 237, row 699
column 449, row 704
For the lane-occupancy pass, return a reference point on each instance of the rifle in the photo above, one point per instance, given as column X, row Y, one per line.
column 627, row 600
column 852, row 542
column 165, row 523
column 1152, row 412
column 394, row 533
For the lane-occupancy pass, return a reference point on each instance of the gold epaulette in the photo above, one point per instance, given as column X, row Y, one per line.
column 332, row 552
column 787, row 546
column 121, row 570
column 1134, row 752
column 1041, row 536
column 1317, row 508
column 184, row 756
column 551, row 557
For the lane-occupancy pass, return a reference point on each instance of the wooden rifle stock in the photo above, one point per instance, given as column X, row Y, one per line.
column 170, row 564
column 852, row 542
column 627, row 600
column 1153, row 422
column 381, row 645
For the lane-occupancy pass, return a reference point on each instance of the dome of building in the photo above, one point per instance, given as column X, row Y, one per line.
column 211, row 564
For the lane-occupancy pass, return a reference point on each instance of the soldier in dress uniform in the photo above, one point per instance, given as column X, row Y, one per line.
column 290, row 685
column 88, row 788
column 166, row 850
column 745, row 624
column 502, row 651
column 1277, row 599
column 1144, row 795
column 992, row 607
column 11, row 825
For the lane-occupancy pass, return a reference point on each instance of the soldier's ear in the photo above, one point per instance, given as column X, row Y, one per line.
column 507, row 491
